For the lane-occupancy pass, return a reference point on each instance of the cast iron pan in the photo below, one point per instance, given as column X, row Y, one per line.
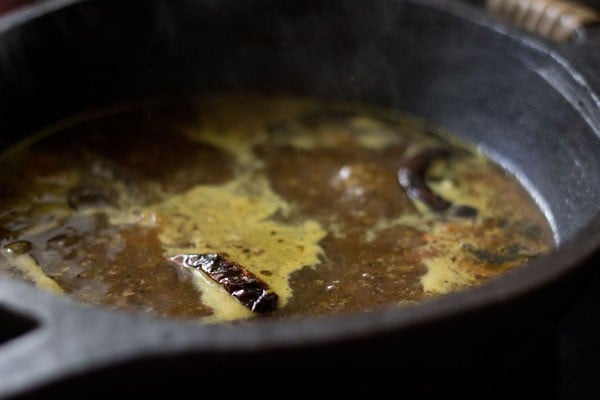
column 530, row 102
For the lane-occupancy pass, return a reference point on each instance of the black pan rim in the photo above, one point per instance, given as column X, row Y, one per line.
column 179, row 336
column 541, row 272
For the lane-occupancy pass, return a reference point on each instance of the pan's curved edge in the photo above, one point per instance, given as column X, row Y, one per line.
column 163, row 337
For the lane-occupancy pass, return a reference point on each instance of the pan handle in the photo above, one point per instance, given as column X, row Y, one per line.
column 571, row 28
column 556, row 20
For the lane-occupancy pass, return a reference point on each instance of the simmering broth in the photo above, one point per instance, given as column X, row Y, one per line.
column 233, row 207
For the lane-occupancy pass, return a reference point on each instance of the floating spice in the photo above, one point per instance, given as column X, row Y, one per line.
column 18, row 247
column 240, row 283
column 92, row 195
column 501, row 256
column 411, row 176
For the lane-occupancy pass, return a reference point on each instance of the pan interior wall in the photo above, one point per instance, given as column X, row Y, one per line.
column 491, row 89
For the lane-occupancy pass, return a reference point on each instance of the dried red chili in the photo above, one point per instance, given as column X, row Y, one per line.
column 240, row 283
column 411, row 176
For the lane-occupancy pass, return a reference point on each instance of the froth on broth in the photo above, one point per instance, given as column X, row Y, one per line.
column 227, row 208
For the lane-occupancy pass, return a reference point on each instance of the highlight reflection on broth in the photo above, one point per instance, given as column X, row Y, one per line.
column 227, row 208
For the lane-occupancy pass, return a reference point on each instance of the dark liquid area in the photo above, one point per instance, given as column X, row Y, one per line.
column 303, row 194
